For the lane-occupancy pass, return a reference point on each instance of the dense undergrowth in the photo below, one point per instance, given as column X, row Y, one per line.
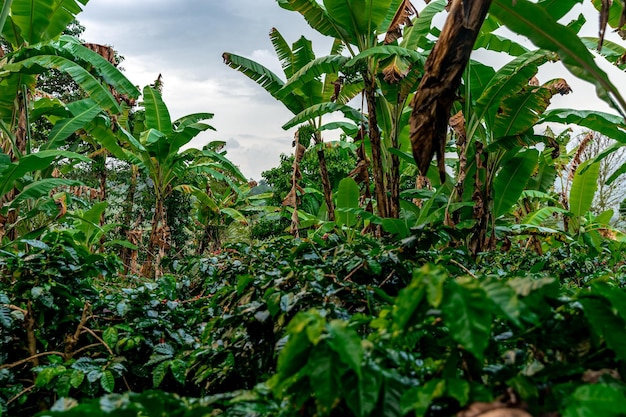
column 296, row 327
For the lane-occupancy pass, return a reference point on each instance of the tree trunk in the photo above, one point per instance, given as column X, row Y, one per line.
column 326, row 185
column 377, row 156
column 443, row 71
column 129, row 256
column 158, row 243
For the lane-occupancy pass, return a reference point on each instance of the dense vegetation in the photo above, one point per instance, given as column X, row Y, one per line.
column 357, row 279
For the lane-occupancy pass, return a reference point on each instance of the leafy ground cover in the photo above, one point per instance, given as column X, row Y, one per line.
column 312, row 327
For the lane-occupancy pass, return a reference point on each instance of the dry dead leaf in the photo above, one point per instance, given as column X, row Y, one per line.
column 402, row 17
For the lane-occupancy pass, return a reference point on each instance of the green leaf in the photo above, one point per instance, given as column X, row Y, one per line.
column 83, row 112
column 110, row 336
column 77, row 378
column 315, row 15
column 347, row 343
column 347, row 198
column 512, row 179
column 533, row 21
column 179, row 370
column 466, row 312
column 158, row 373
column 606, row 324
column 330, row 64
column 608, row 124
column 538, row 217
column 157, row 114
column 509, row 80
column 416, row 36
column 325, row 372
column 321, row 109
column 504, row 298
column 362, row 396
column 584, row 187
column 525, row 286
column 42, row 188
column 409, row 299
column 419, row 399
column 92, row 87
column 107, row 381
column 596, row 400
column 32, row 21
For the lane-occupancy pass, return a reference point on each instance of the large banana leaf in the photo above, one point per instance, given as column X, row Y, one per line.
column 497, row 43
column 283, row 52
column 34, row 21
column 519, row 113
column 537, row 218
column 269, row 81
column 608, row 124
column 191, row 119
column 82, row 112
column 613, row 52
column 303, row 56
column 329, row 64
column 381, row 52
column 102, row 133
column 511, row 180
column 584, row 187
column 315, row 15
column 105, row 70
column 180, row 138
column 324, row 108
column 358, row 17
column 347, row 198
column 157, row 114
column 533, row 21
column 42, row 188
column 509, row 80
column 225, row 163
column 478, row 75
column 92, row 87
column 33, row 162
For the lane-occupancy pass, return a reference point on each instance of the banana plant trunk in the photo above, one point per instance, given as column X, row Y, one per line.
column 382, row 202
column 326, row 185
column 158, row 243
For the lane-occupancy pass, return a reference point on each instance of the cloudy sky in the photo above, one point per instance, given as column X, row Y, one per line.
column 184, row 41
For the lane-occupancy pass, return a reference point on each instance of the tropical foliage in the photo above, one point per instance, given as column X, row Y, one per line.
column 143, row 277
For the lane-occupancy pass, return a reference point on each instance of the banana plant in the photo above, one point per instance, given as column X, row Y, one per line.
column 314, row 92
column 32, row 29
column 158, row 150
column 380, row 65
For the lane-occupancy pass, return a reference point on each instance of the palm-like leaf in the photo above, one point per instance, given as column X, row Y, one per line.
column 608, row 124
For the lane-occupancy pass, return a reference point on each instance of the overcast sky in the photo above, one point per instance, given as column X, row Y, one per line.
column 184, row 41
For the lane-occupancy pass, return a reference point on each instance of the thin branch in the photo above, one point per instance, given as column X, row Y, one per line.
column 30, row 358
